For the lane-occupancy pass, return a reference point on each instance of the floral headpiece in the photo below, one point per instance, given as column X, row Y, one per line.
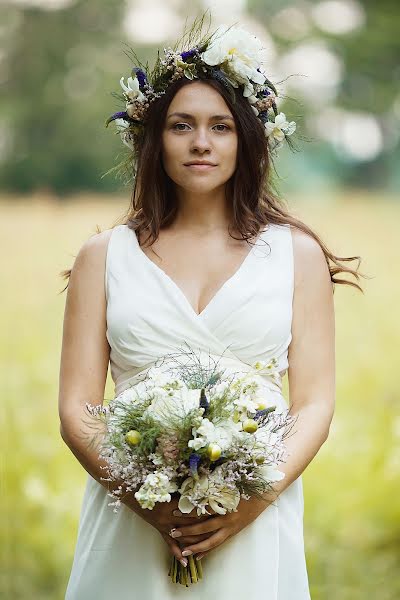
column 230, row 55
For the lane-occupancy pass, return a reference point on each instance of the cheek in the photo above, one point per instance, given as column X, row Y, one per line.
column 171, row 150
column 230, row 150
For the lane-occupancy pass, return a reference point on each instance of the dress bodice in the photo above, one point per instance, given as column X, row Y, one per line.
column 248, row 319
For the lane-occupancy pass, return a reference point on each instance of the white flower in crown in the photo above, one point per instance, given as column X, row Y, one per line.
column 276, row 131
column 132, row 89
column 123, row 130
column 241, row 53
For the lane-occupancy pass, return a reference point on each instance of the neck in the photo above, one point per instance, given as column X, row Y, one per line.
column 203, row 212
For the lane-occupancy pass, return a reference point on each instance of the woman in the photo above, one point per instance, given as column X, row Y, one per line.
column 179, row 268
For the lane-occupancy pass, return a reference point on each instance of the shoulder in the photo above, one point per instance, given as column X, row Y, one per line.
column 309, row 258
column 92, row 254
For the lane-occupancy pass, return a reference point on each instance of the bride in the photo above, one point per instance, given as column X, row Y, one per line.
column 206, row 254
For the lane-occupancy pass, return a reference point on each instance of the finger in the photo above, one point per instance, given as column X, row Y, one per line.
column 175, row 549
column 197, row 529
column 212, row 542
column 192, row 539
column 193, row 514
column 201, row 555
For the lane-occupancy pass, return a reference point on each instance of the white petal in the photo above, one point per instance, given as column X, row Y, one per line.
column 278, row 134
column 272, row 473
column 213, row 56
column 291, row 128
column 133, row 84
column 258, row 77
column 280, row 120
column 184, row 505
column 269, row 127
column 122, row 84
column 217, row 508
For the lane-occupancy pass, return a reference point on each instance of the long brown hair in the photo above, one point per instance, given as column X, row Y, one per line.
column 154, row 206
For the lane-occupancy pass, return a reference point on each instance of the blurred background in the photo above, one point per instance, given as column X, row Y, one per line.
column 338, row 61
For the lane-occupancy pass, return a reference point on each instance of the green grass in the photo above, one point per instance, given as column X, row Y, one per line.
column 352, row 508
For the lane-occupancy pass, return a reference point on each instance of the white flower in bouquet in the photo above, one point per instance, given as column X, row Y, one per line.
column 245, row 404
column 208, row 433
column 179, row 403
column 271, row 473
column 264, row 437
column 157, row 487
column 208, row 491
column 163, row 383
column 239, row 53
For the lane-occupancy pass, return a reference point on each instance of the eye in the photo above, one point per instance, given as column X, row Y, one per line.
column 178, row 125
column 222, row 125
column 181, row 126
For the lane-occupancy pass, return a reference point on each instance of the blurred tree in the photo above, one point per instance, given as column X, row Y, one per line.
column 57, row 71
column 370, row 54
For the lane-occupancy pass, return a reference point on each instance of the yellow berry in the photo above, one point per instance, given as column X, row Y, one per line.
column 133, row 437
column 214, row 452
column 250, row 425
column 261, row 405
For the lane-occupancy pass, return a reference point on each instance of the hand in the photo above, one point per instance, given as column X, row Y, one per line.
column 217, row 529
column 164, row 517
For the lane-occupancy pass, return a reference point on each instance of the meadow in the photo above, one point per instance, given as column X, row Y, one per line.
column 352, row 490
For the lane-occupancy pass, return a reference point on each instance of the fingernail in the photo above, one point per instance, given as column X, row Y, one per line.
column 187, row 553
column 184, row 562
column 176, row 534
column 177, row 513
column 199, row 556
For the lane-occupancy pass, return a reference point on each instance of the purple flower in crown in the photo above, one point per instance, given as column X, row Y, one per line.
column 189, row 54
column 141, row 77
column 118, row 115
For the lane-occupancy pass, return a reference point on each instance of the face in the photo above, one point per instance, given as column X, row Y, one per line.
column 199, row 127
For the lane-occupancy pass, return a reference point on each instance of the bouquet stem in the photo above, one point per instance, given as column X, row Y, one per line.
column 185, row 575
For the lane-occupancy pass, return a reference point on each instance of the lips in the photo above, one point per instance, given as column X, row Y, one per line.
column 200, row 167
column 199, row 162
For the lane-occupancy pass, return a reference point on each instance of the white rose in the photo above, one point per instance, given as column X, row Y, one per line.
column 238, row 48
column 179, row 404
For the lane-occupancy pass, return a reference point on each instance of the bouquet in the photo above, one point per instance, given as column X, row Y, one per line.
column 192, row 430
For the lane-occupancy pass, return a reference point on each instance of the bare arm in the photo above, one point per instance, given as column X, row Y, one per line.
column 85, row 352
column 85, row 356
column 311, row 357
column 311, row 388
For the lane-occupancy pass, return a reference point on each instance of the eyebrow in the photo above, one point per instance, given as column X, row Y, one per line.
column 189, row 116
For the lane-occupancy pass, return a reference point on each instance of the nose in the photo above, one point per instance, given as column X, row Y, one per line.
column 200, row 141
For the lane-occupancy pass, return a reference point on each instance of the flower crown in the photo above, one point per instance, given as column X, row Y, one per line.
column 230, row 55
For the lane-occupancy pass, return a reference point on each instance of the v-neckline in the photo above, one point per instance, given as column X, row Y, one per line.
column 179, row 290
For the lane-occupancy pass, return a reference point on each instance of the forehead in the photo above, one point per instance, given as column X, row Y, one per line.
column 198, row 98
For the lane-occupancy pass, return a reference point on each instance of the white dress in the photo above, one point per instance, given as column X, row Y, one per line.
column 118, row 555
